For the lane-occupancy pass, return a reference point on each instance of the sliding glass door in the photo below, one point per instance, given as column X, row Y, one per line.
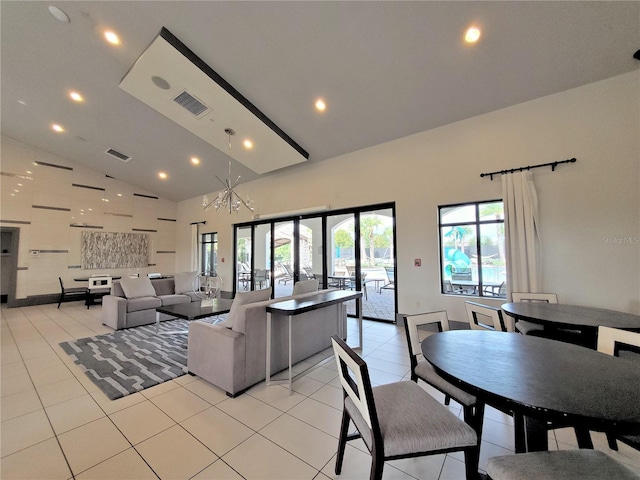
column 351, row 249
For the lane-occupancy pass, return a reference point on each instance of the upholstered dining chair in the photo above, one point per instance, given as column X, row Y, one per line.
column 558, row 465
column 522, row 326
column 614, row 341
column 71, row 294
column 422, row 369
column 396, row 420
column 486, row 317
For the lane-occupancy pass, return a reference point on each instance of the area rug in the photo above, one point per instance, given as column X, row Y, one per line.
column 127, row 361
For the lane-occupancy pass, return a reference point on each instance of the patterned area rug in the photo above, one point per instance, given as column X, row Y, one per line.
column 131, row 360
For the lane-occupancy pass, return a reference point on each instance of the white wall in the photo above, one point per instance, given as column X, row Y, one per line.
column 58, row 193
column 589, row 210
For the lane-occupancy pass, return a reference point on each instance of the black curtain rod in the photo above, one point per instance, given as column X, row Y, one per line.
column 553, row 166
column 199, row 223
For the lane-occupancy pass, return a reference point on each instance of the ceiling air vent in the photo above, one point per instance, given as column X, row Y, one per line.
column 116, row 154
column 191, row 103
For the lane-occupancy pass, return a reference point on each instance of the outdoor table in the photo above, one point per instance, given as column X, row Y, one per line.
column 540, row 380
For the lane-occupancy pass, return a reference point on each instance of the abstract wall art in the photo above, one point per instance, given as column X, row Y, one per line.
column 114, row 250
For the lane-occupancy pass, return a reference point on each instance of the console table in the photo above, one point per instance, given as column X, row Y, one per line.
column 294, row 307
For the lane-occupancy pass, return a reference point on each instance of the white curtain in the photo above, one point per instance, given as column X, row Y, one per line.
column 195, row 250
column 522, row 242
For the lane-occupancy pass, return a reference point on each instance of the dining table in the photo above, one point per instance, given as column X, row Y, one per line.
column 583, row 320
column 540, row 381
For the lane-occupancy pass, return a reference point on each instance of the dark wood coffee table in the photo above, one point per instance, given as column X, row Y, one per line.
column 541, row 380
column 194, row 310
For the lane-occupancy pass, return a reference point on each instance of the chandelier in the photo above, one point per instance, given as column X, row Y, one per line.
column 228, row 199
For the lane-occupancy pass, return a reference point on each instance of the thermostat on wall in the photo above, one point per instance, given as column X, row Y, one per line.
column 35, row 253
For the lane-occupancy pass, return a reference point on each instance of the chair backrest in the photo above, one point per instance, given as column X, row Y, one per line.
column 260, row 274
column 61, row 284
column 485, row 317
column 354, row 377
column 613, row 340
column 412, row 324
column 305, row 286
column 99, row 282
column 534, row 297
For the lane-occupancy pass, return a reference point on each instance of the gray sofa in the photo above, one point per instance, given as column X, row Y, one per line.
column 138, row 306
column 234, row 358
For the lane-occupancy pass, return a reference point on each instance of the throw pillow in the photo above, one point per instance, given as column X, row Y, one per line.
column 244, row 298
column 184, row 281
column 305, row 286
column 137, row 287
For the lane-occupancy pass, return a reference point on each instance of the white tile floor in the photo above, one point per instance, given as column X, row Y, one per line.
column 57, row 425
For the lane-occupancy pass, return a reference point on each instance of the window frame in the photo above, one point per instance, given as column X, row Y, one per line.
column 476, row 225
column 209, row 242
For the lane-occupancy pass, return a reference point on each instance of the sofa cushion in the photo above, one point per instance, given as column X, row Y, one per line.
column 184, row 281
column 305, row 286
column 137, row 287
column 143, row 303
column 163, row 286
column 244, row 298
column 174, row 299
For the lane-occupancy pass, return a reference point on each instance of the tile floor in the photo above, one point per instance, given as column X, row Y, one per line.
column 57, row 425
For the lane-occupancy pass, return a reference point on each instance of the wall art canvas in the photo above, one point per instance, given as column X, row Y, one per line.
column 114, row 250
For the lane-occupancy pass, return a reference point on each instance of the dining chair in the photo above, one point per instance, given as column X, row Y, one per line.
column 617, row 342
column 99, row 286
column 486, row 317
column 71, row 294
column 391, row 279
column 421, row 369
column 522, row 326
column 396, row 420
column 558, row 465
column 261, row 277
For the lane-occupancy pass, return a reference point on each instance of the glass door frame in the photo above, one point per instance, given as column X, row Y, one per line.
column 272, row 222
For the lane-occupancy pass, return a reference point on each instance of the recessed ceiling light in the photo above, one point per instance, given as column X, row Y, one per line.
column 248, row 144
column 112, row 37
column 119, row 194
column 162, row 175
column 76, row 97
column 22, row 102
column 57, row 128
column 320, row 105
column 195, row 160
column 472, row 35
column 59, row 14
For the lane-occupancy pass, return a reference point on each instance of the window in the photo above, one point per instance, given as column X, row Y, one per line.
column 472, row 255
column 209, row 252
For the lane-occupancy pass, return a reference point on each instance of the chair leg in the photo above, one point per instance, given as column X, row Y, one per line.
column 474, row 416
column 584, row 438
column 377, row 461
column 447, row 400
column 471, row 461
column 61, row 298
column 342, row 440
column 611, row 440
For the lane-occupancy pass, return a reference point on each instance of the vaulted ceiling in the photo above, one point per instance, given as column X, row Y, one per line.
column 385, row 70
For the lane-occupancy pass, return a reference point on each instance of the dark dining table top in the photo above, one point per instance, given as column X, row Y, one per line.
column 562, row 315
column 540, row 378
